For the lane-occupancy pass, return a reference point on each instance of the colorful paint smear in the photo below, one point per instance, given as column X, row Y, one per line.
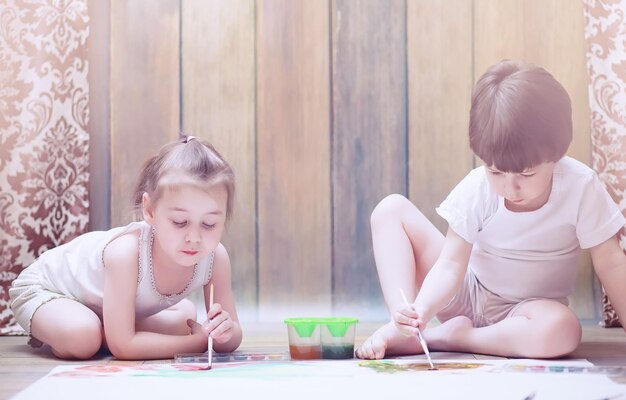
column 236, row 370
column 104, row 371
column 392, row 367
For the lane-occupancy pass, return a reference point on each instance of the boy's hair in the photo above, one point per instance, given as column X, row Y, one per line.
column 520, row 117
column 186, row 161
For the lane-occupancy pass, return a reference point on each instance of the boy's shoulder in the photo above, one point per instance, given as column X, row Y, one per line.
column 572, row 170
column 569, row 165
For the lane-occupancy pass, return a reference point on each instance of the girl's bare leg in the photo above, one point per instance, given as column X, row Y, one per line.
column 171, row 321
column 537, row 329
column 406, row 245
column 70, row 328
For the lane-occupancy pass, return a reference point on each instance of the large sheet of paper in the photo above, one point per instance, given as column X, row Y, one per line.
column 349, row 379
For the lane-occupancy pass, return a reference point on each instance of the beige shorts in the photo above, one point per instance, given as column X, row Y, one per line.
column 27, row 295
column 480, row 305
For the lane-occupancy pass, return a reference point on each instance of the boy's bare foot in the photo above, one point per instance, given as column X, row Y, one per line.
column 449, row 335
column 387, row 339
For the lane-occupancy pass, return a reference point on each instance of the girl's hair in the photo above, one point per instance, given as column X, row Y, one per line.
column 520, row 117
column 186, row 161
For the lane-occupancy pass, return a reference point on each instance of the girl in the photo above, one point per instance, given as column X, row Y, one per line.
column 124, row 289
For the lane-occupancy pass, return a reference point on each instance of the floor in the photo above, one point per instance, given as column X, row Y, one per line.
column 20, row 365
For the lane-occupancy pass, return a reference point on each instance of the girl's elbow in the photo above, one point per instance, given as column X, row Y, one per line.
column 122, row 351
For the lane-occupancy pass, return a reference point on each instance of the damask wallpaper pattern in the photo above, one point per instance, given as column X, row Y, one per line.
column 605, row 33
column 44, row 142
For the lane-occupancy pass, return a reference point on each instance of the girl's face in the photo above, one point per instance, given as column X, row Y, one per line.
column 188, row 223
column 525, row 191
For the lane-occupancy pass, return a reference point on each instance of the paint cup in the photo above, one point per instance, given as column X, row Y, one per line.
column 315, row 338
column 304, row 338
column 338, row 338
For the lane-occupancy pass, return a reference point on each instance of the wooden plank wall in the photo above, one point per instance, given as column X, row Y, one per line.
column 218, row 105
column 323, row 108
column 369, row 139
column 144, row 91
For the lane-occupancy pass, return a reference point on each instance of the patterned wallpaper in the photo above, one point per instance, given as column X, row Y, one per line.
column 605, row 33
column 44, row 142
column 44, row 112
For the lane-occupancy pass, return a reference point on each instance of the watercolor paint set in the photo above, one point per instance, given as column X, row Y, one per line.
column 321, row 338
column 236, row 356
column 565, row 369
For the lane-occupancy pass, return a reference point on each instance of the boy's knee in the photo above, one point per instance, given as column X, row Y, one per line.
column 562, row 335
column 570, row 332
column 389, row 206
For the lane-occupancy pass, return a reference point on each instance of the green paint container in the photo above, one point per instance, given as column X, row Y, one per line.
column 315, row 338
column 338, row 338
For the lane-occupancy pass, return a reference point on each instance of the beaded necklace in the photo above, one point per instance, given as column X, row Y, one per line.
column 167, row 298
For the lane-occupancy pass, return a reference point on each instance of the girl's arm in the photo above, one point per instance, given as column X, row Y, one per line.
column 223, row 323
column 609, row 262
column 120, row 289
column 444, row 279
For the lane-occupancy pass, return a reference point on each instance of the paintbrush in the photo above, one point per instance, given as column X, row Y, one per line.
column 210, row 339
column 419, row 333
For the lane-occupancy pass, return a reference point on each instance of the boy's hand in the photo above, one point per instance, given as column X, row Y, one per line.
column 407, row 321
column 219, row 324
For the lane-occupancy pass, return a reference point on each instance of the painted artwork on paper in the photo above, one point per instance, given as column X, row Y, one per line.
column 515, row 379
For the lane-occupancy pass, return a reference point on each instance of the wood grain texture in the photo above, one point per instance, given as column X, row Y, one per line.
column 218, row 105
column 144, row 91
column 293, row 136
column 310, row 115
column 99, row 115
column 439, row 47
column 369, row 140
column 549, row 34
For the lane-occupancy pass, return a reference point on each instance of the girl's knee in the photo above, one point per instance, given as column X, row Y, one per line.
column 79, row 343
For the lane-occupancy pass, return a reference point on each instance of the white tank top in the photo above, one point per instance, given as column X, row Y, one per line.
column 76, row 269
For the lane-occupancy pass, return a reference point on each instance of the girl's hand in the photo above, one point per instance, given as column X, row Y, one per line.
column 219, row 324
column 407, row 320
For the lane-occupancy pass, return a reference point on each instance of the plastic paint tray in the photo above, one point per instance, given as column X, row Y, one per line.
column 321, row 338
column 236, row 356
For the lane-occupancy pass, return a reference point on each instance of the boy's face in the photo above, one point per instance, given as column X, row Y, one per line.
column 188, row 223
column 525, row 191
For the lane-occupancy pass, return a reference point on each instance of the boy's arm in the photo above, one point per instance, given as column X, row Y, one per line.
column 609, row 262
column 445, row 277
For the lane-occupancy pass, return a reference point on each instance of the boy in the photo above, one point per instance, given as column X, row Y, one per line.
column 500, row 278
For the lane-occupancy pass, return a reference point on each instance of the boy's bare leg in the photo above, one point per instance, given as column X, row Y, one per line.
column 70, row 328
column 537, row 329
column 171, row 321
column 406, row 245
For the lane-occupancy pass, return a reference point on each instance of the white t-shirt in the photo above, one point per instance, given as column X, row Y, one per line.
column 520, row 255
